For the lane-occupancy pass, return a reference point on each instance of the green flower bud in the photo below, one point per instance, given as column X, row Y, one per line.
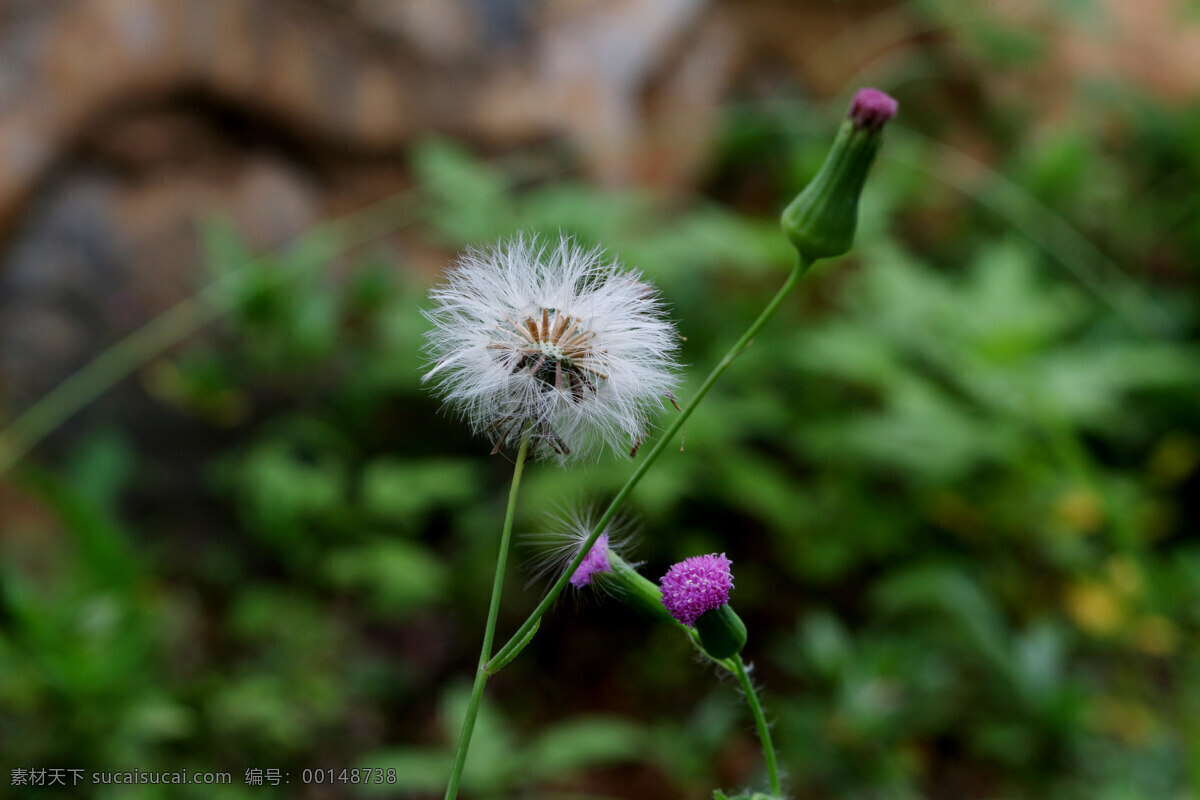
column 821, row 221
column 722, row 632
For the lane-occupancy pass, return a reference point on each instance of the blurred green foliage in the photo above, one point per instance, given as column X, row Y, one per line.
column 957, row 478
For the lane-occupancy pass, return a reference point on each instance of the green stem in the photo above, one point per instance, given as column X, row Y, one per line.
column 489, row 631
column 522, row 636
column 764, row 732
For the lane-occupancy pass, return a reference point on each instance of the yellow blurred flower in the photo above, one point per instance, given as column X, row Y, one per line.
column 1095, row 607
column 1174, row 459
column 1080, row 511
column 1126, row 575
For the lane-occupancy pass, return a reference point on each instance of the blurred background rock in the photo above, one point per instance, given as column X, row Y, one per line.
column 253, row 553
column 122, row 122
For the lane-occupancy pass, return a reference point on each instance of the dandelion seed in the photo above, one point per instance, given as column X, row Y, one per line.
column 556, row 341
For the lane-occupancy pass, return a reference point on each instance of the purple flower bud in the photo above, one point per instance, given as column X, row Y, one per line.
column 595, row 561
column 696, row 585
column 871, row 109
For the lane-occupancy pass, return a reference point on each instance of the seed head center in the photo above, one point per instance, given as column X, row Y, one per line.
column 554, row 348
column 552, row 351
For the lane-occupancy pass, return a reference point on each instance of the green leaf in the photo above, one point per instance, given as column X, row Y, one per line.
column 396, row 576
column 584, row 742
column 417, row 769
column 950, row 593
column 826, row 644
column 101, row 468
column 402, row 490
column 105, row 551
column 470, row 199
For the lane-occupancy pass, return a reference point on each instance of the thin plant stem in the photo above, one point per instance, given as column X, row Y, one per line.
column 522, row 636
column 738, row 667
column 489, row 631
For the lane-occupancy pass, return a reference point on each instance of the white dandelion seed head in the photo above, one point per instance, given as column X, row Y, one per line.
column 556, row 340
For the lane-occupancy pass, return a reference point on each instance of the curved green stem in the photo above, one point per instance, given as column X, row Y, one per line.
column 738, row 667
column 522, row 636
column 489, row 631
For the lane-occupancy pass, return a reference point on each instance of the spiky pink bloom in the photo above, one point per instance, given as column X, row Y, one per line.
column 872, row 109
column 696, row 585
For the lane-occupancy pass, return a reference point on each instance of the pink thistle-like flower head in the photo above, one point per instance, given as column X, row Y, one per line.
column 696, row 585
column 595, row 561
column 871, row 109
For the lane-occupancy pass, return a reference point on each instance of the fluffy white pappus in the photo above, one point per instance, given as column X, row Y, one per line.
column 570, row 526
column 555, row 340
